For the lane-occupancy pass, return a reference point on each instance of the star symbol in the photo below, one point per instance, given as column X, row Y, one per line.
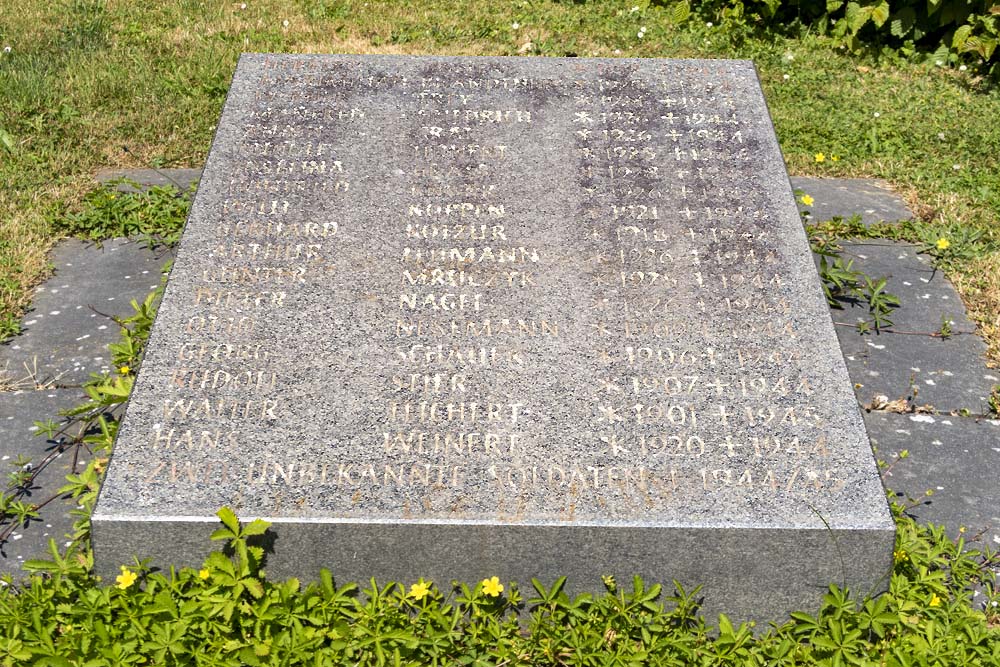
column 608, row 386
column 600, row 327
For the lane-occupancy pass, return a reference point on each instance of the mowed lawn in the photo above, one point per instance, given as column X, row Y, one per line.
column 86, row 84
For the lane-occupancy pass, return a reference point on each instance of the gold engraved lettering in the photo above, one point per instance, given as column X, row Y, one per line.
column 498, row 255
column 263, row 409
column 266, row 251
column 212, row 472
column 222, row 351
column 435, row 384
column 292, row 168
column 574, row 478
column 665, row 356
column 476, row 328
column 279, row 229
column 797, row 480
column 289, row 148
column 690, row 446
column 462, row 278
column 259, row 381
column 445, row 301
column 271, row 207
column 255, row 275
column 481, row 357
column 474, row 116
column 466, row 412
column 192, row 440
column 460, row 210
column 453, row 443
column 777, row 357
column 677, row 415
column 457, row 232
column 215, row 324
column 433, row 151
column 204, row 296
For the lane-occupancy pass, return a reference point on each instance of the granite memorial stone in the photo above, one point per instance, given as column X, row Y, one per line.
column 460, row 317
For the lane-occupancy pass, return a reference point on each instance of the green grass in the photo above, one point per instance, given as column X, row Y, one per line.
column 90, row 84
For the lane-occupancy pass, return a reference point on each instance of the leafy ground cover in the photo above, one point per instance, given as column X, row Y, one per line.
column 229, row 612
column 88, row 84
column 98, row 83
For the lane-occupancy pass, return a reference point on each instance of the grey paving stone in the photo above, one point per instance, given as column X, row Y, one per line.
column 958, row 458
column 948, row 374
column 18, row 413
column 66, row 332
column 181, row 178
column 873, row 199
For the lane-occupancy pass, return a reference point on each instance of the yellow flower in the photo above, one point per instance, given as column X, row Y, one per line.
column 99, row 465
column 492, row 587
column 420, row 590
column 899, row 556
column 124, row 370
column 943, row 243
column 204, row 573
column 820, row 157
column 834, row 158
column 807, row 200
column 126, row 578
column 935, row 601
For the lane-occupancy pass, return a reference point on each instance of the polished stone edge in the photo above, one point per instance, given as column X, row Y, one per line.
column 748, row 573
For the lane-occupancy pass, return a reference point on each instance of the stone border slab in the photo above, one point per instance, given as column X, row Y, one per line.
column 66, row 332
column 945, row 373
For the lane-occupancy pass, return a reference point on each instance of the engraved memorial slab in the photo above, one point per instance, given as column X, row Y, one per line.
column 460, row 317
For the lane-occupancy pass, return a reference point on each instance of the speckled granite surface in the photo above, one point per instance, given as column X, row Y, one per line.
column 461, row 317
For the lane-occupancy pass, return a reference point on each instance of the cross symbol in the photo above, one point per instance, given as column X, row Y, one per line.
column 674, row 134
column 723, row 415
column 608, row 413
column 718, row 386
column 584, row 133
column 582, row 117
column 731, row 446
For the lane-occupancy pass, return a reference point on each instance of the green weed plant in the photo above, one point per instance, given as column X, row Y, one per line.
column 156, row 214
column 947, row 32
column 228, row 612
